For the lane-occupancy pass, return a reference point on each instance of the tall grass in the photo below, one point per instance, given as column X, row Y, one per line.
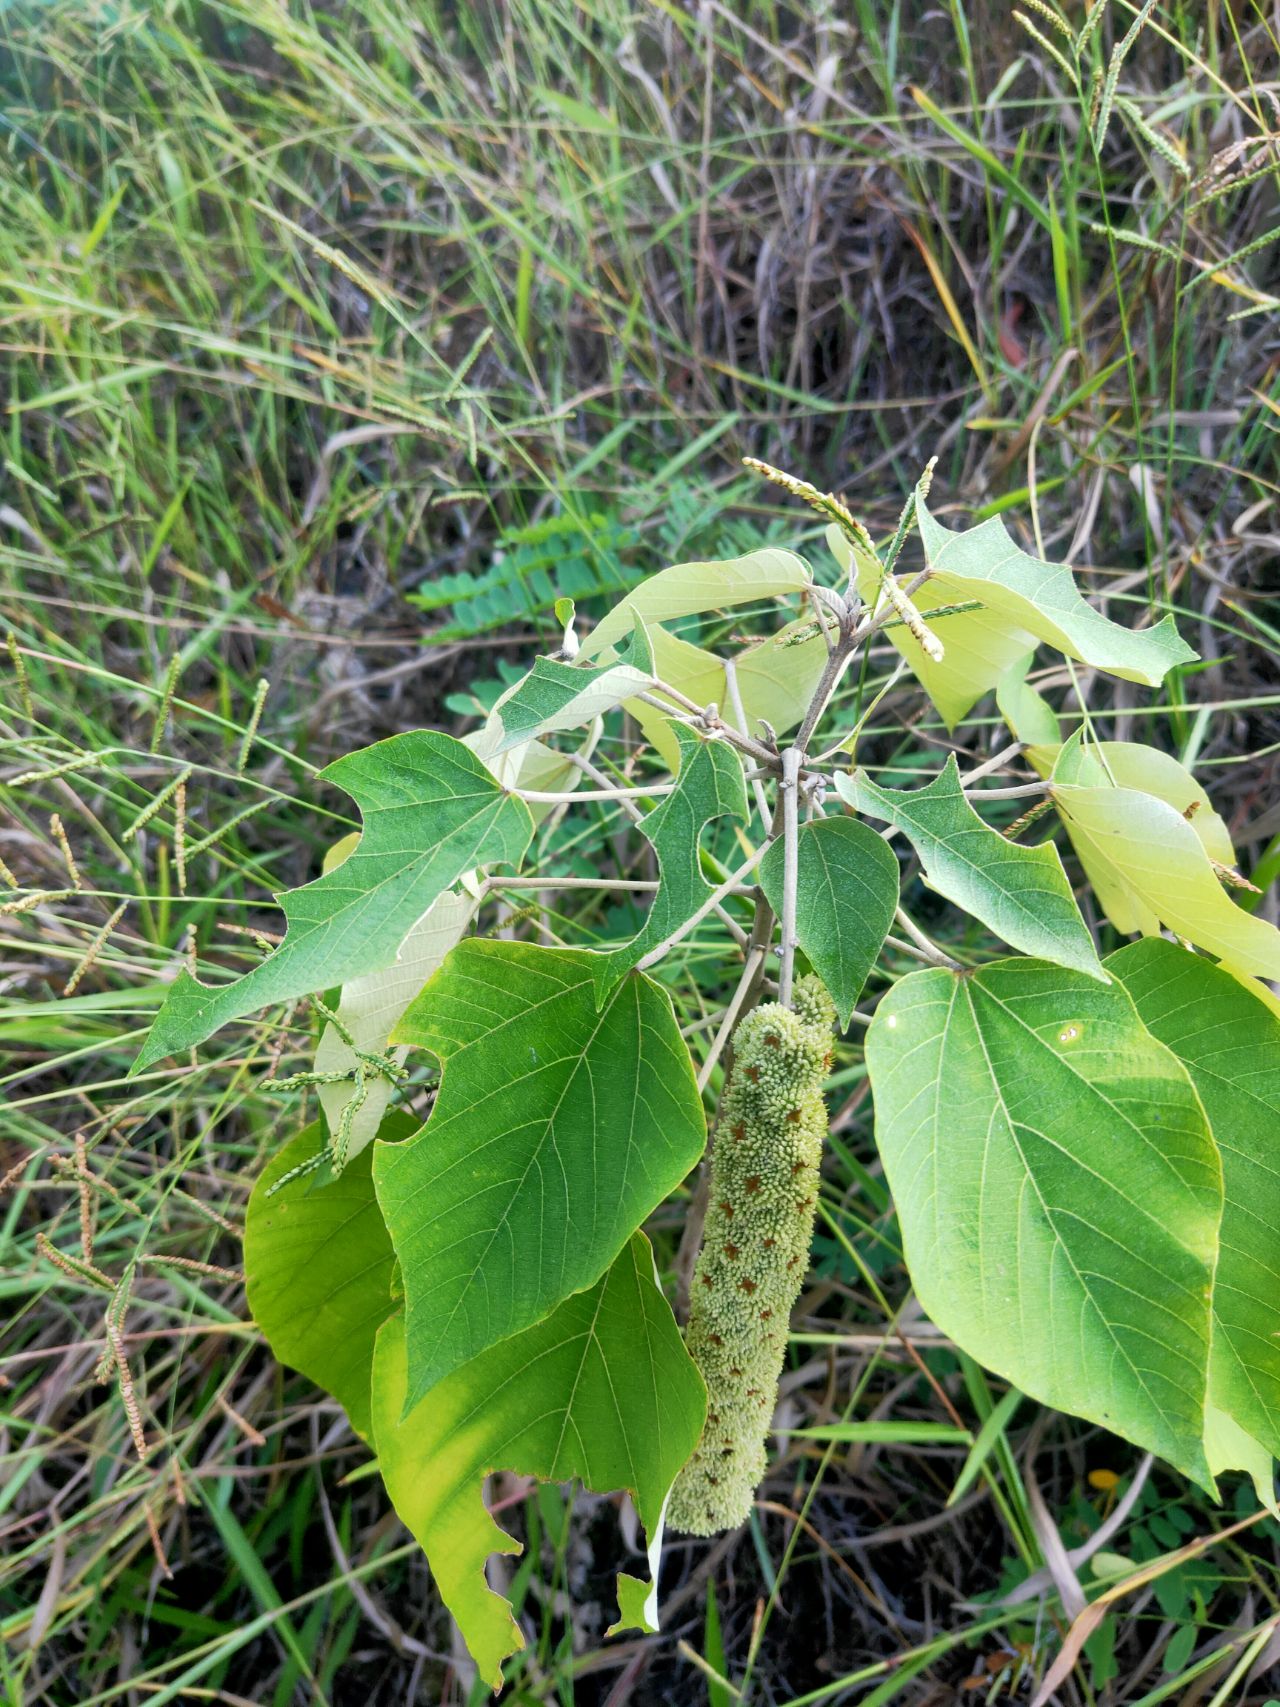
column 302, row 309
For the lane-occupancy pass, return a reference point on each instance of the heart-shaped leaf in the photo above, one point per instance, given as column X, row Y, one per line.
column 846, row 896
column 558, row 1127
column 1229, row 1043
column 1059, row 1192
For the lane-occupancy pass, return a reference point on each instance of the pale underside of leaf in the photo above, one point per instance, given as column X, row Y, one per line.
column 1147, row 770
column 1150, row 868
column 1026, row 711
column 1043, row 600
column 979, row 646
column 601, row 1390
column 371, row 1006
column 774, row 679
column 690, row 589
column 1059, row 1192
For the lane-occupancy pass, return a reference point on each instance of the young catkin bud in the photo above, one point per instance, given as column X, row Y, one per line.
column 755, row 1249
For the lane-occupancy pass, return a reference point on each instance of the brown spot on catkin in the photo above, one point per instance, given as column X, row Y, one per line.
column 769, row 1244
column 753, row 1073
column 726, row 1208
column 798, row 1168
column 739, row 1132
column 731, row 1251
column 747, row 1285
column 773, row 1040
column 707, row 1280
column 735, row 1372
column 715, row 1339
column 751, row 1184
column 765, row 1315
column 793, row 1118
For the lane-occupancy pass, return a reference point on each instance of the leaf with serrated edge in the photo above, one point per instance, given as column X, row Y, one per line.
column 431, row 811
column 690, row 589
column 846, row 896
column 601, row 1390
column 370, row 1006
column 557, row 1128
column 1149, row 868
column 1229, row 1044
column 709, row 786
column 556, row 696
column 318, row 1265
column 1059, row 1192
column 1021, row 893
column 1043, row 600
column 979, row 646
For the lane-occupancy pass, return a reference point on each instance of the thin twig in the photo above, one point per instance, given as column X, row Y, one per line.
column 789, row 788
column 925, row 945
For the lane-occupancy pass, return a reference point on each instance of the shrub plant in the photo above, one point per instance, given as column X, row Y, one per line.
column 1080, row 1148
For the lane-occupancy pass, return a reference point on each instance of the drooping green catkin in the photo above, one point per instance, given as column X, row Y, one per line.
column 755, row 1249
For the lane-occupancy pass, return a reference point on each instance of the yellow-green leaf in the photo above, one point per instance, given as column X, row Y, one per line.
column 318, row 1264
column 602, row 1389
column 689, row 589
column 1149, row 868
column 979, row 646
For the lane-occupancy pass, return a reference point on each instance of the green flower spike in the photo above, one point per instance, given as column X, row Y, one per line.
column 755, row 1249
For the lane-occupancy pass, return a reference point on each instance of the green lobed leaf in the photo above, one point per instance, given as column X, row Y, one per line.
column 431, row 811
column 1019, row 892
column 1229, row 1044
column 602, row 1389
column 1043, row 600
column 555, row 696
column 846, row 896
column 318, row 1263
column 558, row 1127
column 689, row 589
column 1059, row 1192
column 709, row 786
